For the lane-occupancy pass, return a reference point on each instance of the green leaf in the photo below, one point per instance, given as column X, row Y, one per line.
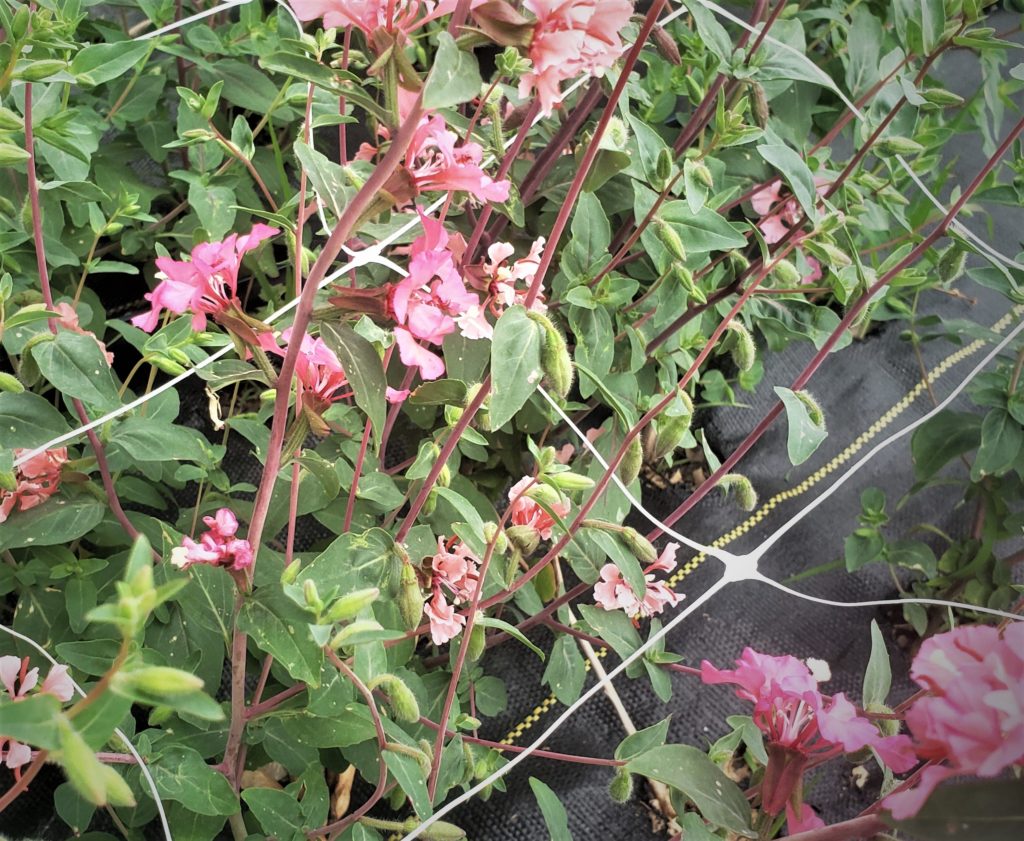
column 511, row 630
column 878, row 677
column 454, row 76
column 625, row 560
column 798, row 176
column 148, row 439
column 93, row 657
column 32, row 720
column 73, row 809
column 76, row 367
column 919, row 23
column 328, row 179
column 565, row 672
column 278, row 812
column 99, row 63
column 689, row 770
column 279, row 627
column 182, row 774
column 363, row 369
column 491, row 695
column 551, row 808
column 440, row 393
column 941, row 439
column 56, row 521
column 992, row 810
column 409, row 776
column 642, row 741
column 354, row 561
column 805, row 436
column 214, row 204
column 614, row 627
column 515, row 364
column 1001, row 442
column 28, row 420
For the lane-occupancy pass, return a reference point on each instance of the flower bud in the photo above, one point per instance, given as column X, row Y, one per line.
column 312, row 597
column 360, row 626
column 571, row 481
column 669, row 237
column 168, row 366
column 544, row 493
column 896, row 145
column 621, row 788
column 814, row 411
column 632, row 461
column 468, row 761
column 290, row 572
column 555, row 360
column 477, row 643
column 940, row 97
column 744, row 351
column 98, row 783
column 10, row 120
column 467, row 722
column 155, row 680
column 702, row 173
column 951, row 263
column 666, row 45
column 738, row 263
column 786, row 273
column 639, row 545
column 663, row 166
column 351, row 604
column 746, row 496
column 524, row 538
column 670, row 433
column 760, row 102
column 693, row 88
column 403, row 702
column 9, row 382
column 410, row 598
column 430, row 503
column 888, row 726
column 492, row 534
column 443, row 831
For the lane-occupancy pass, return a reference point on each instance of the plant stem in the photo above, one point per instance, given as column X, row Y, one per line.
column 30, row 773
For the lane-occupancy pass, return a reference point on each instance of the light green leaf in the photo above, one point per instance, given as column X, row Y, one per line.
column 410, row 778
column 878, row 677
column 281, row 628
column 643, row 740
column 454, row 77
column 182, row 774
column 147, row 439
column 805, row 436
column 328, row 179
column 565, row 672
column 515, row 364
column 511, row 630
column 354, row 561
column 99, row 63
column 614, row 627
column 551, row 808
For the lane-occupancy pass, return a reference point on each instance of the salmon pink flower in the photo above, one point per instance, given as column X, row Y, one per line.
column 801, row 725
column 207, row 284
column 612, row 592
column 35, row 481
column 526, row 512
column 437, row 163
column 445, row 623
column 368, row 15
column 317, row 368
column 571, row 37
column 456, row 569
column 973, row 716
column 777, row 219
column 18, row 680
column 218, row 546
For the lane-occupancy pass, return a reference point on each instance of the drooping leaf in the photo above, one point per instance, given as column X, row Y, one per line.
column 364, row 371
column 28, row 420
column 805, row 436
column 555, row 817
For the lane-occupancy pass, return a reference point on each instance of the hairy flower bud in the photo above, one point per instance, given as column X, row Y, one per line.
column 155, row 680
column 312, row 596
column 746, row 496
column 9, row 382
column 571, row 481
column 524, row 538
column 403, row 702
column 663, row 167
column 632, row 461
column 671, row 429
column 744, row 351
column 666, row 46
column 477, row 643
column 349, row 605
column 290, row 572
column 786, row 273
column 621, row 787
column 639, row 545
column 896, row 145
column 555, row 360
column 669, row 237
column 762, row 112
column 360, row 626
column 814, row 411
column 410, row 598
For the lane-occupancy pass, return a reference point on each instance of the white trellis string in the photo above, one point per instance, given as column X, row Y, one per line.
column 131, row 748
column 163, row 30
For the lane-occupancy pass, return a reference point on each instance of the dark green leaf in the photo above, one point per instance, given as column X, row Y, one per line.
column 565, row 672
column 56, row 521
column 515, row 364
column 878, row 677
column 28, row 420
column 941, row 439
column 76, row 367
column 643, row 740
column 354, row 561
column 99, row 63
column 281, row 628
column 551, row 808
column 363, row 369
column 182, row 774
column 1001, row 442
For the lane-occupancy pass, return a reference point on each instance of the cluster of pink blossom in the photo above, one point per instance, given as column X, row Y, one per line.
column 68, row 319
column 206, row 284
column 317, row 369
column 503, row 284
column 776, row 225
column 431, row 301
column 401, row 16
column 18, row 679
column 612, row 592
column 972, row 718
column 801, row 725
column 218, row 546
column 571, row 38
column 456, row 569
column 527, row 512
column 35, row 481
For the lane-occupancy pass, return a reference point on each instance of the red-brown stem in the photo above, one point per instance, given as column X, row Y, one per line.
column 30, row 774
column 229, row 765
column 263, row 707
column 44, row 282
column 844, row 325
column 767, row 25
column 543, row 754
column 261, row 683
column 304, row 312
column 350, row 505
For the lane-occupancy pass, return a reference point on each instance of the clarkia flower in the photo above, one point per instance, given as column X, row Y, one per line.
column 972, row 718
column 206, row 284
column 454, row 569
column 369, row 15
column 18, row 680
column 775, row 225
column 219, row 546
column 800, row 725
column 612, row 592
column 317, row 369
column 570, row 38
column 35, row 481
column 526, row 511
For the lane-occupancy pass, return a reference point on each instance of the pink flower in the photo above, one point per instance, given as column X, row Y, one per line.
column 973, row 716
column 504, row 285
column 18, row 680
column 317, row 368
column 801, row 725
column 457, row 568
column 396, row 395
column 205, row 285
column 217, row 547
column 69, row 321
column 445, row 623
column 776, row 225
column 572, row 37
column 526, row 512
column 369, row 15
column 612, row 592
column 414, row 355
column 37, row 480
column 436, row 163
column 801, row 818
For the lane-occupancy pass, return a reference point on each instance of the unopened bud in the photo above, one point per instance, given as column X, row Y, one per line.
column 430, row 503
column 693, row 88
column 351, row 604
column 524, row 538
column 403, row 702
column 786, row 273
column 663, row 167
column 951, row 263
column 9, row 382
column 814, row 412
column 477, row 643
column 443, row 831
column 632, row 461
column 155, row 680
column 544, row 493
column 760, row 105
column 744, row 351
column 10, row 120
column 621, row 788
column 410, row 598
column 555, row 360
column 571, row 481
column 672, row 429
column 669, row 237
column 291, row 572
column 738, row 263
column 888, row 726
column 896, row 145
column 493, row 534
column 639, row 545
column 740, row 485
column 666, row 45
column 702, row 173
column 312, row 597
column 360, row 626
column 168, row 366
column 941, row 98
